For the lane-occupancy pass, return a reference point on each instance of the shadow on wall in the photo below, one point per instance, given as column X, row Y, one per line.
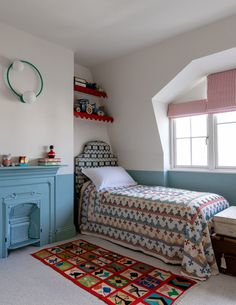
column 149, row 177
column 5, row 93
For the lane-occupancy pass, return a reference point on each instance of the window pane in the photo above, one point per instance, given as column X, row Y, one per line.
column 183, row 152
column 182, row 127
column 226, row 117
column 199, row 125
column 199, row 152
column 226, row 144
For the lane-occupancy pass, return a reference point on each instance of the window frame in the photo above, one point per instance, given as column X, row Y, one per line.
column 212, row 149
column 174, row 151
column 217, row 166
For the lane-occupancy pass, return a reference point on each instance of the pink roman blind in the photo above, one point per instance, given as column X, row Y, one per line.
column 221, row 91
column 187, row 109
column 221, row 97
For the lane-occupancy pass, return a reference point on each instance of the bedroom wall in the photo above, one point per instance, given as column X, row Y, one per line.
column 28, row 129
column 87, row 130
column 131, row 81
column 197, row 92
column 220, row 183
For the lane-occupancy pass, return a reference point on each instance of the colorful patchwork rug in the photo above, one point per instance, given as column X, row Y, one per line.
column 114, row 278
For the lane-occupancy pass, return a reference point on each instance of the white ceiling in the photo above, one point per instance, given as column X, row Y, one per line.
column 100, row 30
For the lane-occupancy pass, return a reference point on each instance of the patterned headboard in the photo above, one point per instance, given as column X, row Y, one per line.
column 95, row 154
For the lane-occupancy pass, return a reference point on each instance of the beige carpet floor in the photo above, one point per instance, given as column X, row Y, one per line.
column 26, row 281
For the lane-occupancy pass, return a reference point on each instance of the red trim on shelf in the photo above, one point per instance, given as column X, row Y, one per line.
column 84, row 115
column 89, row 91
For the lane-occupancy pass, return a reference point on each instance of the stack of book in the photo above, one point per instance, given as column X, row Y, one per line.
column 49, row 161
column 80, row 81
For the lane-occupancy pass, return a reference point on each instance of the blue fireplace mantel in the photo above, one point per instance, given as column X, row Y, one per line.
column 15, row 171
column 29, row 210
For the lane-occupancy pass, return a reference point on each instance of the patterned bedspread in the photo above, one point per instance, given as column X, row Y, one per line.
column 171, row 224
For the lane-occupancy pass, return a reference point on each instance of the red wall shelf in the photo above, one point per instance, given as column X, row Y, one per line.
column 89, row 91
column 84, row 115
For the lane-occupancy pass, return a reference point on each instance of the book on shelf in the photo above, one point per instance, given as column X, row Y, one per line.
column 80, row 80
column 49, row 164
column 80, row 84
column 49, row 161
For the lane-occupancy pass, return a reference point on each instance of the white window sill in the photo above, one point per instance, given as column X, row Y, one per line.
column 203, row 170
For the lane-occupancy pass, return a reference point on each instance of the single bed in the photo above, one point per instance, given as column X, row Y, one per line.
column 171, row 224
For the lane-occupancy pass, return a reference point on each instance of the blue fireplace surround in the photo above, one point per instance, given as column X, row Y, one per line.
column 31, row 211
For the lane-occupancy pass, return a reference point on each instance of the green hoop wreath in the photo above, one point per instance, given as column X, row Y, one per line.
column 20, row 96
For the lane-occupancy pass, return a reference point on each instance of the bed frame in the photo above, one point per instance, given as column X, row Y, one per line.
column 171, row 220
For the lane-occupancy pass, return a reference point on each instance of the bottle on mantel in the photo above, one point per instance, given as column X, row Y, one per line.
column 51, row 153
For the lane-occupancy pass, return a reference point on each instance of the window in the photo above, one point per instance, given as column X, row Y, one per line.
column 191, row 141
column 225, row 125
column 204, row 141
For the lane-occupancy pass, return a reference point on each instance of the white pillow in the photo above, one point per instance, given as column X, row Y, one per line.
column 108, row 176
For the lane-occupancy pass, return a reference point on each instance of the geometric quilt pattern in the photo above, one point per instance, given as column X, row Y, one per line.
column 114, row 278
column 171, row 224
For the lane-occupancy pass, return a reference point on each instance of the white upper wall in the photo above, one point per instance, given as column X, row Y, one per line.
column 28, row 129
column 197, row 92
column 83, row 72
column 133, row 80
column 87, row 130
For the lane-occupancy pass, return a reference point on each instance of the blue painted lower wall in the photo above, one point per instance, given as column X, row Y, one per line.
column 220, row 183
column 64, row 209
column 149, row 177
